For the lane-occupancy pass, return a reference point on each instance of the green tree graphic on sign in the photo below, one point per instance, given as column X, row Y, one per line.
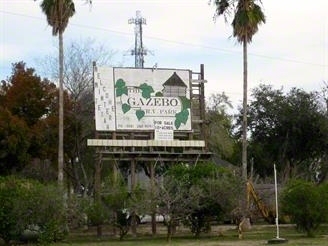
column 146, row 91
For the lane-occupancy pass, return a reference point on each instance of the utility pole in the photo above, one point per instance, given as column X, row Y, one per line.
column 139, row 51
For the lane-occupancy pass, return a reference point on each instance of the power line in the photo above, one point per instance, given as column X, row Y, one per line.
column 179, row 42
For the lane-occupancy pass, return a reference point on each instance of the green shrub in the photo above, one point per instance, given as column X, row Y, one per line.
column 76, row 215
column 97, row 213
column 47, row 209
column 11, row 190
column 25, row 204
column 306, row 204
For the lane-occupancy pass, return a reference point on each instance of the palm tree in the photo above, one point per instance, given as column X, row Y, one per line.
column 247, row 16
column 58, row 13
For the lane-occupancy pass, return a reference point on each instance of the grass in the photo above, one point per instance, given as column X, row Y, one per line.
column 219, row 236
column 223, row 235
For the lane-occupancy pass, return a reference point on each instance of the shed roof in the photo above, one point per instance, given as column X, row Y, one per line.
column 175, row 80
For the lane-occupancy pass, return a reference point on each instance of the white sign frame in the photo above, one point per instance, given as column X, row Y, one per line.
column 134, row 98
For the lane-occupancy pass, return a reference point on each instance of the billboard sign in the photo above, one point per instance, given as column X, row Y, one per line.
column 140, row 99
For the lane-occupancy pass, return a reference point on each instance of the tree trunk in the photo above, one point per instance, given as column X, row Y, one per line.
column 244, row 127
column 133, row 186
column 152, row 187
column 61, row 113
column 169, row 232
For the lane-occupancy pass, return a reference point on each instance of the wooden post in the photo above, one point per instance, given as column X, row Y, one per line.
column 97, row 190
column 152, row 190
column 133, row 186
column 202, row 104
column 115, row 175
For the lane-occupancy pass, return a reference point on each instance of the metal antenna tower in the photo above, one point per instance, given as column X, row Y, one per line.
column 139, row 51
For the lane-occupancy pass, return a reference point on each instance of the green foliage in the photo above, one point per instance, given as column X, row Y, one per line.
column 306, row 204
column 176, row 200
column 200, row 220
column 247, row 16
column 212, row 192
column 26, row 118
column 115, row 196
column 97, row 213
column 15, row 142
column 26, row 203
column 57, row 18
column 122, row 203
column 219, row 127
column 26, row 94
column 10, row 193
column 116, row 203
column 122, row 223
column 115, row 193
column 50, row 212
column 116, row 199
column 76, row 207
column 189, row 174
column 288, row 129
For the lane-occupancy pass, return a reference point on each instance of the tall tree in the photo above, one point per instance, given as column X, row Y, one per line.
column 26, row 95
column 78, row 74
column 290, row 130
column 58, row 13
column 219, row 126
column 247, row 16
column 27, row 104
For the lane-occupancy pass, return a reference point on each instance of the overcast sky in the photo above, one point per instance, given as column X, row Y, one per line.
column 290, row 50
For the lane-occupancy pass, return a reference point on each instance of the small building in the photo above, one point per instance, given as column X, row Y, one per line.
column 174, row 87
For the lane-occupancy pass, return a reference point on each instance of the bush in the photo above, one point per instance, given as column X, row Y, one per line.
column 10, row 191
column 47, row 209
column 25, row 204
column 97, row 213
column 306, row 204
column 201, row 193
column 76, row 212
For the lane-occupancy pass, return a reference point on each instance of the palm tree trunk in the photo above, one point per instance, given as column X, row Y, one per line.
column 244, row 127
column 61, row 113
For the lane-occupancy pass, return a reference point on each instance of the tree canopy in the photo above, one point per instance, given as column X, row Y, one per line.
column 219, row 127
column 289, row 129
column 27, row 105
column 197, row 194
column 29, row 119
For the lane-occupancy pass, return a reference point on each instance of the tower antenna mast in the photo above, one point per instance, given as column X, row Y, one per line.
column 139, row 51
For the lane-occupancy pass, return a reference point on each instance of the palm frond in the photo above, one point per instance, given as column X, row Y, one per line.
column 224, row 8
column 58, row 13
column 246, row 21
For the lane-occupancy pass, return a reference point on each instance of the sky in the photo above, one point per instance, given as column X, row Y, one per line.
column 289, row 50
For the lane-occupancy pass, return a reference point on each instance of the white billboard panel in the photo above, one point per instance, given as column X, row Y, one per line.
column 104, row 99
column 134, row 99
